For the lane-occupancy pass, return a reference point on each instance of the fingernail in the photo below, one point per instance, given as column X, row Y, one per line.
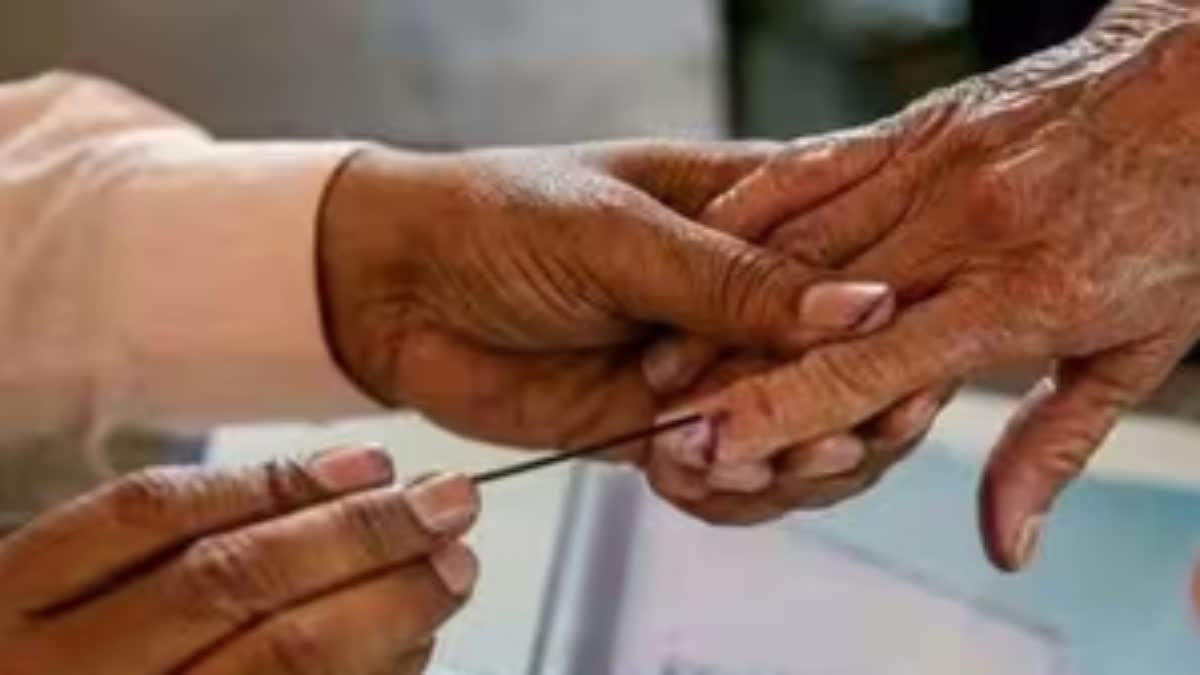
column 1027, row 540
column 741, row 479
column 457, row 567
column 677, row 485
column 833, row 456
column 846, row 306
column 691, row 446
column 355, row 468
column 878, row 317
column 661, row 368
column 922, row 411
column 446, row 504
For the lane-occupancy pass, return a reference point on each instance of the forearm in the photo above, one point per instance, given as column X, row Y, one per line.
column 149, row 273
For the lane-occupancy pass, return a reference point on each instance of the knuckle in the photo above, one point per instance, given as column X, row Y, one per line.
column 150, row 497
column 382, row 526
column 930, row 122
column 289, row 484
column 228, row 578
column 1056, row 294
column 1114, row 390
column 996, row 199
column 179, row 498
column 996, row 320
column 750, row 285
column 1062, row 461
column 846, row 375
column 760, row 399
column 292, row 646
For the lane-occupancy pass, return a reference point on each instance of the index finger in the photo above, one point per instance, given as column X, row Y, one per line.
column 223, row 584
column 839, row 386
column 98, row 536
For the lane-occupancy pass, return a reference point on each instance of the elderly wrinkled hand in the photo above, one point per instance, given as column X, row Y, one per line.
column 266, row 570
column 507, row 294
column 1046, row 211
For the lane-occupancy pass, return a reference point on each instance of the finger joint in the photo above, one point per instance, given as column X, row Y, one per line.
column 228, row 578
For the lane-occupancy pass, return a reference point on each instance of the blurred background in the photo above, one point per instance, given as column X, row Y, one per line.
column 584, row 572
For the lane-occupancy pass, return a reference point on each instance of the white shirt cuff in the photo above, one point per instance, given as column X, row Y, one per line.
column 213, row 276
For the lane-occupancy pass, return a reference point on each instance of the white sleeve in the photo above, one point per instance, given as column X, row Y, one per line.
column 150, row 274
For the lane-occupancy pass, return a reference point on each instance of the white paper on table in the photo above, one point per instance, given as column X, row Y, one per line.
column 783, row 601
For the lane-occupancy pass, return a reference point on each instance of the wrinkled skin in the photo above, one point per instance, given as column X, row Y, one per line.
column 507, row 294
column 270, row 570
column 1044, row 212
column 810, row 475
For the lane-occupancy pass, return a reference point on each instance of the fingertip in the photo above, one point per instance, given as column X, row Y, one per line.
column 856, row 307
column 990, row 533
column 746, row 437
column 832, row 456
column 879, row 317
column 908, row 420
column 351, row 468
column 1025, row 544
column 745, row 479
column 1015, row 552
column 444, row 504
column 748, row 423
column 691, row 445
column 660, row 365
column 1010, row 529
column 673, row 364
column 674, row 482
column 457, row 567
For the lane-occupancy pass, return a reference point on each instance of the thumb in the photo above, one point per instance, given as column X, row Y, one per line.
column 685, row 176
column 809, row 173
column 708, row 283
column 526, row 399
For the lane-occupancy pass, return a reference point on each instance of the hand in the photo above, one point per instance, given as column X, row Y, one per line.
column 809, row 475
column 1045, row 211
column 507, row 294
column 273, row 570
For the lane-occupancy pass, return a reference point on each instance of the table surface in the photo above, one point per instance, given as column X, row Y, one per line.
column 516, row 537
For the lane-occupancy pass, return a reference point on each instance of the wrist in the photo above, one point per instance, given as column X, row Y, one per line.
column 366, row 247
